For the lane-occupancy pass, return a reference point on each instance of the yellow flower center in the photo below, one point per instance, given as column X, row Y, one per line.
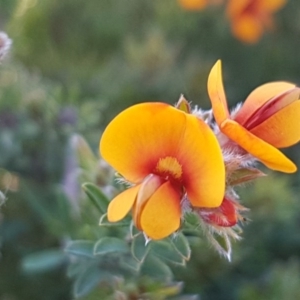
column 169, row 167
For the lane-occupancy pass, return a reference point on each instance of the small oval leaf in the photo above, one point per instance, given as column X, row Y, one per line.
column 81, row 248
column 155, row 267
column 89, row 279
column 105, row 223
column 96, row 196
column 139, row 248
column 166, row 250
column 182, row 245
column 43, row 261
column 109, row 245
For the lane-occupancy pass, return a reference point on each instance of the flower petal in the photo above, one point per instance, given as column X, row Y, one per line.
column 224, row 216
column 259, row 97
column 266, row 153
column 139, row 136
column 149, row 186
column 247, row 28
column 271, row 107
column 120, row 206
column 202, row 163
column 216, row 93
column 281, row 129
column 235, row 8
column 271, row 5
column 161, row 214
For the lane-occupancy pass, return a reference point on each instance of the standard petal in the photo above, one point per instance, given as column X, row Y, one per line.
column 259, row 97
column 161, row 214
column 120, row 206
column 202, row 163
column 139, row 136
column 216, row 93
column 281, row 129
column 266, row 153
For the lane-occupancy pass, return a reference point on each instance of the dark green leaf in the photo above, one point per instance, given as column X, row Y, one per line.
column 139, row 249
column 43, row 261
column 181, row 244
column 81, row 248
column 221, row 243
column 109, row 245
column 96, row 196
column 104, row 222
column 89, row 279
column 191, row 220
column 155, row 267
column 130, row 263
column 167, row 251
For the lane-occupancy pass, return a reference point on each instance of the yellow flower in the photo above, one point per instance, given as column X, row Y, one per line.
column 166, row 154
column 269, row 119
column 249, row 18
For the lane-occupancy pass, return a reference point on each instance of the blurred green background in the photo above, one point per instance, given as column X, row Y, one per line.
column 73, row 66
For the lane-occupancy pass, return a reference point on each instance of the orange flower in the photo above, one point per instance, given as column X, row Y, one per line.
column 166, row 154
column 269, row 119
column 197, row 4
column 249, row 18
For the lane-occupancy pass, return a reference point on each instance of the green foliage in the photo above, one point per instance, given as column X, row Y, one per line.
column 98, row 199
column 43, row 261
column 76, row 64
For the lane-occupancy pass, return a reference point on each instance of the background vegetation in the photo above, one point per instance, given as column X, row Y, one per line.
column 76, row 64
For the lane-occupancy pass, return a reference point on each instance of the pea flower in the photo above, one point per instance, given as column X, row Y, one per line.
column 249, row 18
column 166, row 155
column 269, row 119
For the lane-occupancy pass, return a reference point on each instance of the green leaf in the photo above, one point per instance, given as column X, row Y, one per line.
column 139, row 249
column 123, row 223
column 221, row 242
column 134, row 232
column 191, row 220
column 167, row 251
column 130, row 263
column 75, row 268
column 182, row 245
column 81, row 248
column 155, row 267
column 96, row 196
column 109, row 245
column 89, row 279
column 43, row 261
